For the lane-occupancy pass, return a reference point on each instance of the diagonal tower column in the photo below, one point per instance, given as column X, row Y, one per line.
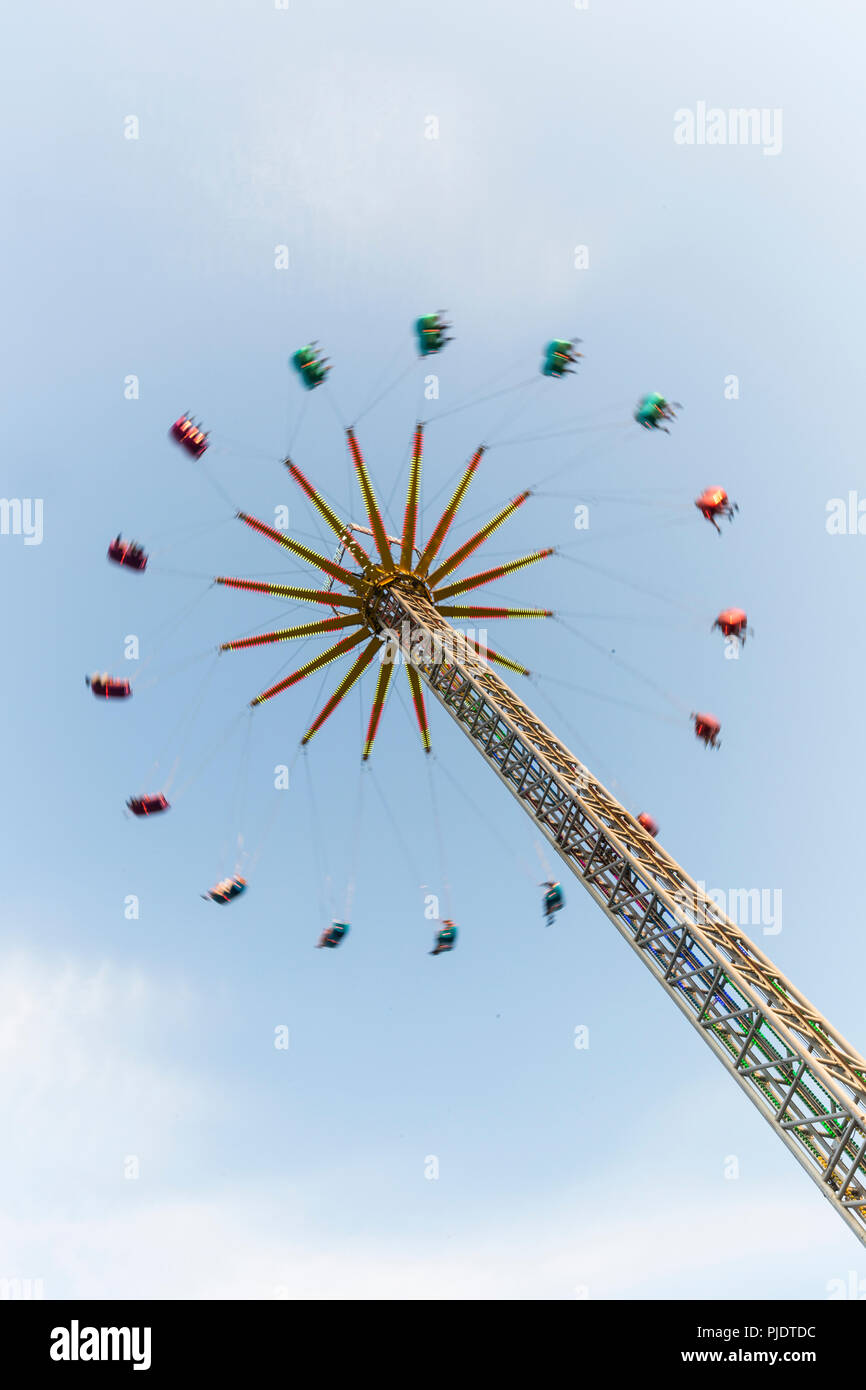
column 803, row 1076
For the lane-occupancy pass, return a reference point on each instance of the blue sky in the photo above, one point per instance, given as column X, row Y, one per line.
column 270, row 1173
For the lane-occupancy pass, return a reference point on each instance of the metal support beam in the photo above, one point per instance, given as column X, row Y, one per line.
column 799, row 1065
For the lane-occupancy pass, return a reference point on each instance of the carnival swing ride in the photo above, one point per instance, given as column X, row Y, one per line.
column 394, row 600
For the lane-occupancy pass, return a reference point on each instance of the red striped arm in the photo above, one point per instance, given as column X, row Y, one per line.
column 303, row 552
column 339, row 527
column 286, row 633
column 255, row 586
column 474, row 581
column 459, row 610
column 370, row 503
column 410, row 520
column 385, row 673
column 434, row 545
column 420, row 706
column 479, row 538
column 354, row 674
column 315, row 665
column 490, row 655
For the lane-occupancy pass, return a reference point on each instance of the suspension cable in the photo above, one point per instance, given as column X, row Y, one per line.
column 483, row 818
column 480, row 400
column 187, row 716
column 292, row 434
column 406, row 852
column 443, row 868
column 356, row 842
column 382, row 394
column 168, row 628
column 626, row 666
column 323, row 882
column 211, row 755
column 629, row 584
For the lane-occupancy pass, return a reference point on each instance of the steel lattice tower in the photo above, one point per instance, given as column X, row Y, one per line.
column 801, row 1074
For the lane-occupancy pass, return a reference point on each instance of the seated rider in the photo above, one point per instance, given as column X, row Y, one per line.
column 445, row 938
column 553, row 900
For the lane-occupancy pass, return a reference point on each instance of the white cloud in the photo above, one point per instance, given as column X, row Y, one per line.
column 73, row 1080
column 235, row 1246
column 80, row 1075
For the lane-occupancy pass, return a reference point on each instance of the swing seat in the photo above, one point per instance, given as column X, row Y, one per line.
column 553, row 900
column 189, row 436
column 446, row 939
column 430, row 331
column 147, row 805
column 227, row 890
column 309, row 366
column 333, row 935
column 109, row 687
column 127, row 553
column 559, row 355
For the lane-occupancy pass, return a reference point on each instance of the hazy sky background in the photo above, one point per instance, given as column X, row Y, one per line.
column 562, row 1173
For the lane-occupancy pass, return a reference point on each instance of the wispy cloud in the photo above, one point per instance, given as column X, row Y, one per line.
column 84, row 1073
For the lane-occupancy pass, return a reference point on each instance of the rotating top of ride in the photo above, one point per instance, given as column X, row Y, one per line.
column 363, row 573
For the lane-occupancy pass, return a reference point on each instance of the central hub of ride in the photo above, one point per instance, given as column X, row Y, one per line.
column 381, row 582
